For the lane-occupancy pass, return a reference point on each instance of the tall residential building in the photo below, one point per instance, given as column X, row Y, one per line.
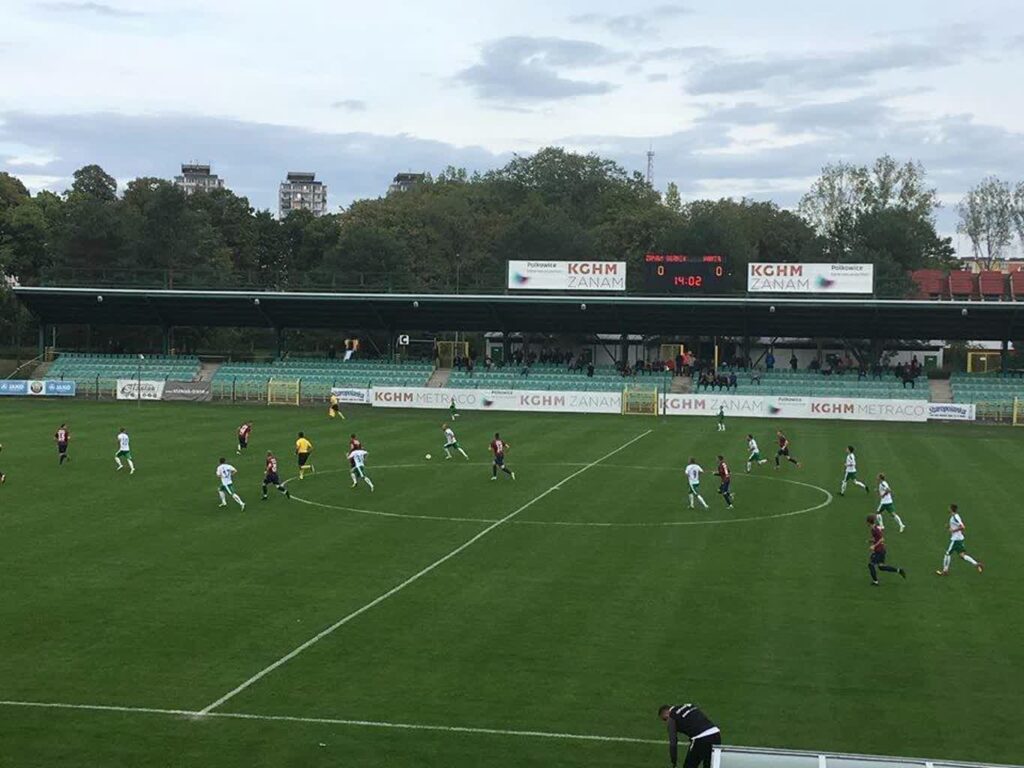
column 405, row 181
column 197, row 178
column 301, row 191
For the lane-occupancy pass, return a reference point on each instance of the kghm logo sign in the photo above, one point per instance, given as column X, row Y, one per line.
column 567, row 275
column 809, row 278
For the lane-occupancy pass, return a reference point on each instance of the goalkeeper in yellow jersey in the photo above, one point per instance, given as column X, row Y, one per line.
column 334, row 409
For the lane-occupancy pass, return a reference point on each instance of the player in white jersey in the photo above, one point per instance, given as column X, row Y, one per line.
column 885, row 504
column 850, row 472
column 451, row 443
column 693, row 473
column 753, row 453
column 956, row 543
column 358, row 459
column 124, row 451
column 226, row 475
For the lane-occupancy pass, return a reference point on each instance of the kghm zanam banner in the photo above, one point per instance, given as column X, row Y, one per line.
column 133, row 389
column 497, row 399
column 769, row 277
column 37, row 388
column 567, row 275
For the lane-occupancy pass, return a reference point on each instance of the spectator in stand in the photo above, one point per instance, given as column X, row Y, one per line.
column 915, row 366
column 862, row 372
column 679, row 365
column 733, row 383
column 769, row 360
column 815, row 365
column 909, row 377
column 793, row 362
column 590, row 370
column 876, row 370
column 755, row 377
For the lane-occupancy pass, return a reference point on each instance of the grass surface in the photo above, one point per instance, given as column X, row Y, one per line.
column 140, row 592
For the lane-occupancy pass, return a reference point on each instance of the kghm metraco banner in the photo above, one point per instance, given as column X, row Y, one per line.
column 840, row 408
column 765, row 277
column 567, row 275
column 133, row 389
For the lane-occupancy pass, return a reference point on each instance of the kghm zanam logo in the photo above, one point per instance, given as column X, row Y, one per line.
column 824, row 283
column 487, row 402
column 774, row 410
column 520, row 278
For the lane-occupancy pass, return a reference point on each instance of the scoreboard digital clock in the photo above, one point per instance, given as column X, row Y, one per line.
column 680, row 273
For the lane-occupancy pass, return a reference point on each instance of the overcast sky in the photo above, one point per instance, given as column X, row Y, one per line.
column 736, row 97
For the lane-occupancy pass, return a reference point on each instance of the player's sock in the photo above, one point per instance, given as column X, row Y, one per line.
column 284, row 490
column 701, row 500
column 265, row 490
column 223, row 498
column 793, row 461
column 238, row 498
column 888, row 568
column 447, row 453
column 776, row 462
column 763, row 461
column 728, row 498
column 369, row 482
column 748, row 466
column 119, row 464
column 874, row 574
column 463, row 453
column 131, row 466
column 880, row 521
column 970, row 560
column 842, row 488
column 945, row 563
column 899, row 522
column 494, row 472
column 691, row 500
column 507, row 471
column 858, row 482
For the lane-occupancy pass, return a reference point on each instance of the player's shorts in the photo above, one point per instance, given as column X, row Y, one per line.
column 303, row 458
column 62, row 447
column 783, row 452
column 878, row 557
column 271, row 478
column 755, row 456
column 243, row 442
column 123, row 454
column 890, row 508
column 228, row 489
column 499, row 460
column 957, row 547
column 695, row 489
column 454, row 446
column 851, row 475
column 359, row 472
column 335, row 407
column 724, row 487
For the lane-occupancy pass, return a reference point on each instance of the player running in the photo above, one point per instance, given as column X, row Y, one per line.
column 62, row 437
column 753, row 453
column 726, row 477
column 885, row 503
column 956, row 543
column 124, row 451
column 226, row 473
column 783, row 451
column 3, row 477
column 243, row 437
column 498, row 448
column 358, row 459
column 354, row 444
column 878, row 552
column 270, row 477
column 302, row 450
column 334, row 409
column 451, row 443
column 850, row 472
column 452, row 410
column 721, row 418
column 693, row 471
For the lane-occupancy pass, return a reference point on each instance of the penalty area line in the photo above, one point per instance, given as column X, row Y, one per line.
column 411, row 580
column 184, row 713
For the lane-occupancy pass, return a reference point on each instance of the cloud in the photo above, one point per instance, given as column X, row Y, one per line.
column 526, row 69
column 657, row 77
column 632, row 25
column 827, row 71
column 252, row 157
column 97, row 9
column 350, row 105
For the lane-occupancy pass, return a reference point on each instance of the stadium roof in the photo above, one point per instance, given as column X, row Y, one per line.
column 727, row 316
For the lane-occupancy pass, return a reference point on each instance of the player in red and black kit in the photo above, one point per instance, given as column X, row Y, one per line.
column 354, row 444
column 878, row 552
column 784, row 451
column 63, row 437
column 726, row 477
column 271, row 477
column 498, row 448
column 243, row 437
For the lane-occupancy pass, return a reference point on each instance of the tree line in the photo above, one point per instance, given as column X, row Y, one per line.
column 456, row 230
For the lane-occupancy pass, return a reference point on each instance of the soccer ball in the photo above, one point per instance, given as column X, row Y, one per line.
column 428, row 457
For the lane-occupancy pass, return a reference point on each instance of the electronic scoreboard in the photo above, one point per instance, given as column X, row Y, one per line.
column 679, row 273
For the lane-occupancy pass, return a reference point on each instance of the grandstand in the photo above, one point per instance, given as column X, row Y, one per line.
column 989, row 388
column 248, row 381
column 90, row 370
column 542, row 376
column 785, row 382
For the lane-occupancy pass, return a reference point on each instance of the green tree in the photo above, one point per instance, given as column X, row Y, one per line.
column 673, row 200
column 987, row 218
column 94, row 183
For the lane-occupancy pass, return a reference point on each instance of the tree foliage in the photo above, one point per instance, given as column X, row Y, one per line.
column 988, row 218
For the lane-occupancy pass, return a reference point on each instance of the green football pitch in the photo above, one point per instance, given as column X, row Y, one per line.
column 447, row 620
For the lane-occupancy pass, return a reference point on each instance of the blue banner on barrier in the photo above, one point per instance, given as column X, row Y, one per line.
column 21, row 387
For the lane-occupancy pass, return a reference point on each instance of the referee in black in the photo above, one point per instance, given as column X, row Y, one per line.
column 689, row 720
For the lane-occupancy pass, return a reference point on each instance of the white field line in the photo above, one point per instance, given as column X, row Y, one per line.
column 328, row 721
column 411, row 580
